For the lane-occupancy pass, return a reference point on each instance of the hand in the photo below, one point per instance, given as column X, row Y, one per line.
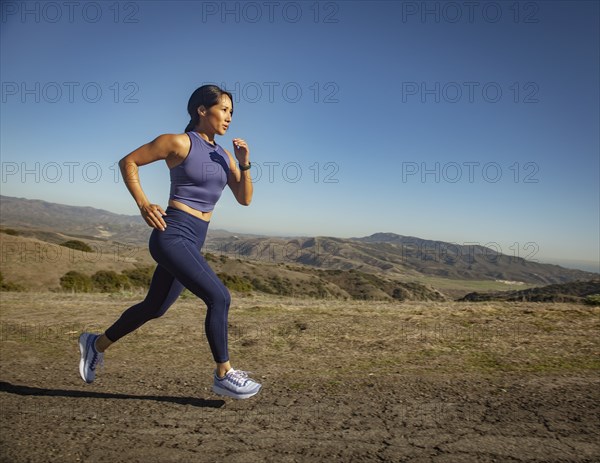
column 241, row 151
column 152, row 214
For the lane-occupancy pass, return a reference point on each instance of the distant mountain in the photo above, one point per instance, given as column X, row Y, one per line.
column 395, row 256
column 80, row 221
column 469, row 261
column 399, row 256
column 72, row 220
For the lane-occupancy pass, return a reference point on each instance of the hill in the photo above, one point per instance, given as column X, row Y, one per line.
column 398, row 256
column 32, row 263
column 85, row 222
column 379, row 261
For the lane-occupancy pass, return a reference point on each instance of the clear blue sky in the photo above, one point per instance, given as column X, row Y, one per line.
column 468, row 124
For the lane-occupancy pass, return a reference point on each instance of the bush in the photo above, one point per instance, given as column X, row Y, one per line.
column 140, row 277
column 9, row 231
column 592, row 299
column 281, row 286
column 6, row 286
column 77, row 245
column 76, row 282
column 235, row 283
column 210, row 257
column 261, row 286
column 108, row 281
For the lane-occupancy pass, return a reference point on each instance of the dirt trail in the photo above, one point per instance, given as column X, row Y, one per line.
column 442, row 382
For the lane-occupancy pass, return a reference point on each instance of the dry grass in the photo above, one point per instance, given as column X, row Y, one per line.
column 343, row 381
column 339, row 339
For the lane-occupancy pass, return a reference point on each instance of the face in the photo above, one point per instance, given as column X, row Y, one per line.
column 217, row 118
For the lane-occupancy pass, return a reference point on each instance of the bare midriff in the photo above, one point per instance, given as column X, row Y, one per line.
column 190, row 210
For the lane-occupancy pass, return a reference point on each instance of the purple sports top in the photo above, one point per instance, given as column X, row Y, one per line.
column 200, row 179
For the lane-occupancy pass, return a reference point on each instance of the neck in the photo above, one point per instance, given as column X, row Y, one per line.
column 209, row 137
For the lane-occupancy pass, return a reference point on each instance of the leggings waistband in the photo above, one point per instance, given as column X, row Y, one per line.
column 170, row 210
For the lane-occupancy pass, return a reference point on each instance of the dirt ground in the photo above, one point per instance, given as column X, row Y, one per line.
column 342, row 381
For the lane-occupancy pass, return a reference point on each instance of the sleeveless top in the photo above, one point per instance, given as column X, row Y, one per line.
column 200, row 179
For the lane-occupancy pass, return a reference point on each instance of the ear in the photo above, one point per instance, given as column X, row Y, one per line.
column 201, row 110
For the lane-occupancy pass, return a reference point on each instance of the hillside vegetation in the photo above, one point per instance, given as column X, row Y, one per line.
column 29, row 263
column 49, row 261
column 54, row 247
column 578, row 291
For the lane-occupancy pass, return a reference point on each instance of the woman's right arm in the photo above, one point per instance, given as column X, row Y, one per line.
column 160, row 148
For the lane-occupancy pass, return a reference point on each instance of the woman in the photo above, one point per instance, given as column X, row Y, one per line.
column 199, row 170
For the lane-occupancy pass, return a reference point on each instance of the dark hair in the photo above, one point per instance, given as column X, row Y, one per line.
column 207, row 96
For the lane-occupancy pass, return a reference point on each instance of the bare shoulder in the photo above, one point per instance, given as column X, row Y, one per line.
column 177, row 144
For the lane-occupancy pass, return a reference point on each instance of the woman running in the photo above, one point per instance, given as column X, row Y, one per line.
column 199, row 169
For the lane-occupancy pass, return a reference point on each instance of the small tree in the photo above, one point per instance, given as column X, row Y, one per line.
column 592, row 299
column 77, row 245
column 76, row 282
column 9, row 231
column 8, row 286
column 235, row 282
column 109, row 281
column 140, row 277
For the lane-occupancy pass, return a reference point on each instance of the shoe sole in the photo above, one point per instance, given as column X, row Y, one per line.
column 226, row 392
column 82, row 359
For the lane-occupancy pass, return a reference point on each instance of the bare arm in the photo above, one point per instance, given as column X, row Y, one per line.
column 240, row 182
column 162, row 147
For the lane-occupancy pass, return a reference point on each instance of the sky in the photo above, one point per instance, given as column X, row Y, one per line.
column 466, row 122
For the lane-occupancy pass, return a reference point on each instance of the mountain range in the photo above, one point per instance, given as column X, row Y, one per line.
column 394, row 256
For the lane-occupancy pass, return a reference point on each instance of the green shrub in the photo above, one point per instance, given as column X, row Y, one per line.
column 109, row 281
column 592, row 299
column 9, row 231
column 76, row 282
column 77, row 245
column 210, row 257
column 140, row 277
column 260, row 285
column 281, row 286
column 7, row 286
column 235, row 283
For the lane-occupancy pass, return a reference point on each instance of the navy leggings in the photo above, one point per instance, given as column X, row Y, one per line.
column 180, row 264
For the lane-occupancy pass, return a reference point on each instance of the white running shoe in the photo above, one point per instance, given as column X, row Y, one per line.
column 90, row 357
column 236, row 384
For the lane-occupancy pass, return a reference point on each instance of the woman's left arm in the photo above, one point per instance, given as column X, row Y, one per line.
column 240, row 181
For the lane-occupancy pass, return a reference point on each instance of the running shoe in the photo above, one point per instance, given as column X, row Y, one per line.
column 90, row 357
column 236, row 384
